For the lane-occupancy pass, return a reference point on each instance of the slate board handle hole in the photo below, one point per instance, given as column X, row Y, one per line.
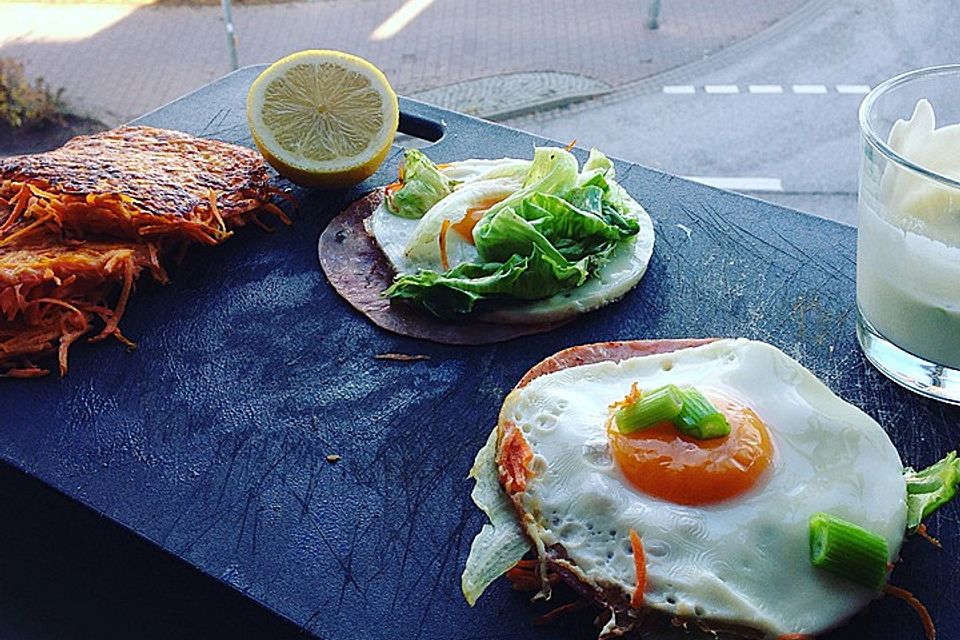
column 417, row 132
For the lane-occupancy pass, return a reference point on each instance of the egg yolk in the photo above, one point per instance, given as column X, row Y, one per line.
column 664, row 463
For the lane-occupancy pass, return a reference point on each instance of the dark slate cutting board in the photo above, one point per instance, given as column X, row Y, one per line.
column 211, row 438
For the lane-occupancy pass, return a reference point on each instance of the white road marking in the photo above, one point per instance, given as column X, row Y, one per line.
column 721, row 88
column 740, row 184
column 860, row 89
column 766, row 88
column 809, row 88
column 400, row 19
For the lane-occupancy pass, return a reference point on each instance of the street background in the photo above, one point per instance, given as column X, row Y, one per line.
column 757, row 97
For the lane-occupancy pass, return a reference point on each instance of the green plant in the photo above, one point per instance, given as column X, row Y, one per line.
column 24, row 103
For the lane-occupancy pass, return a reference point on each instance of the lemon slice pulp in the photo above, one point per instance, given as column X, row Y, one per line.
column 323, row 118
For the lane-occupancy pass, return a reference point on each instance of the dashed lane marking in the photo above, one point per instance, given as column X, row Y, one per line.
column 768, row 89
column 809, row 88
column 678, row 89
column 721, row 88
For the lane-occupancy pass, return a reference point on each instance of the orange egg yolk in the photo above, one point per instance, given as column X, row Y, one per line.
column 664, row 463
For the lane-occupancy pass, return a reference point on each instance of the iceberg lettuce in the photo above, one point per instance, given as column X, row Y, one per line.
column 930, row 489
column 558, row 229
column 500, row 543
column 423, row 186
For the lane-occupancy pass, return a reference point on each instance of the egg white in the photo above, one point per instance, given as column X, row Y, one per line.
column 744, row 561
column 401, row 240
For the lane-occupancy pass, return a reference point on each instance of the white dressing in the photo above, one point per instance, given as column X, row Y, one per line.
column 908, row 247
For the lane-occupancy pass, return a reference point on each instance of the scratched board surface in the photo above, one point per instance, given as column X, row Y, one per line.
column 211, row 439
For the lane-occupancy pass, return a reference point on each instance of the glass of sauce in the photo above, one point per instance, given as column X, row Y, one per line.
column 908, row 240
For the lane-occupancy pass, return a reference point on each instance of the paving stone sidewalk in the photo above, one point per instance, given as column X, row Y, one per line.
column 490, row 58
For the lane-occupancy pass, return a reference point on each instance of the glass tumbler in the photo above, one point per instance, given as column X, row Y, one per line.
column 908, row 238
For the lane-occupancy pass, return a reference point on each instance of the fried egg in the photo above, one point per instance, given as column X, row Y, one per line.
column 723, row 522
column 413, row 244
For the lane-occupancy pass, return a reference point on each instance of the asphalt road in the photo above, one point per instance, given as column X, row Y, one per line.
column 808, row 141
column 117, row 61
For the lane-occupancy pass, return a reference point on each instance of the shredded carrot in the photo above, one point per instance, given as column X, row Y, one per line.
column 444, row 227
column 24, row 372
column 116, row 214
column 67, row 339
column 289, row 197
column 277, row 211
column 922, row 532
column 58, row 302
column 40, row 193
column 564, row 609
column 255, row 219
column 48, row 274
column 524, row 580
column 21, row 198
column 66, row 335
column 570, row 145
column 630, row 398
column 523, row 576
column 26, row 230
column 392, row 188
column 795, row 636
column 155, row 268
column 215, row 211
column 928, row 629
column 640, row 563
column 515, row 456
column 112, row 326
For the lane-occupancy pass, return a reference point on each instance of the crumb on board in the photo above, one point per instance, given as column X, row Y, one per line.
column 333, row 457
column 402, row 357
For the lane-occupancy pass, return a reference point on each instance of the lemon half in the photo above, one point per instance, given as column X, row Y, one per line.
column 323, row 118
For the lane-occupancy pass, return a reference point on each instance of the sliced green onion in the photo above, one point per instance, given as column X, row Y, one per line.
column 663, row 403
column 848, row 550
column 699, row 418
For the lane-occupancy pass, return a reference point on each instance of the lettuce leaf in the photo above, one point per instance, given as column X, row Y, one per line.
column 423, row 186
column 597, row 163
column 423, row 247
column 552, row 171
column 579, row 215
column 459, row 290
column 546, row 238
column 930, row 489
column 509, row 234
column 500, row 543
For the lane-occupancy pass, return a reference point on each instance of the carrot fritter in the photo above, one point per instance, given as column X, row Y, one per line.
column 78, row 225
column 54, row 294
column 68, row 272
column 134, row 182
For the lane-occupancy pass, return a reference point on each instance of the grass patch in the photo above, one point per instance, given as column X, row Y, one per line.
column 26, row 103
